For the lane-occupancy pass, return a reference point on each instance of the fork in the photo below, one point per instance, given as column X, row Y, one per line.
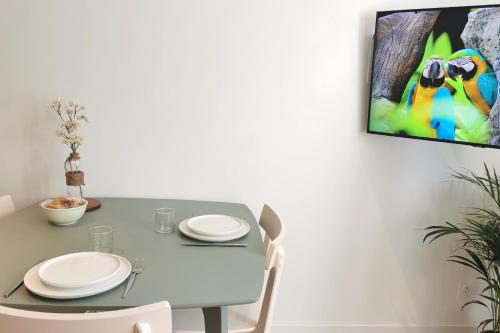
column 136, row 269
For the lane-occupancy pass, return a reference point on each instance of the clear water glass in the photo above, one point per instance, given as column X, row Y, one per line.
column 101, row 239
column 165, row 220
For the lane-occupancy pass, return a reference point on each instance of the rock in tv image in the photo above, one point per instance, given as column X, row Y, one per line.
column 435, row 75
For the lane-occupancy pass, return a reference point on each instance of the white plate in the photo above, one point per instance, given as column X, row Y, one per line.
column 215, row 225
column 184, row 228
column 78, row 270
column 35, row 285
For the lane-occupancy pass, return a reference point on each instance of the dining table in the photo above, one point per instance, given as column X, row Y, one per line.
column 207, row 277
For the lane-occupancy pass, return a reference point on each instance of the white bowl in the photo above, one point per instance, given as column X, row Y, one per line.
column 64, row 216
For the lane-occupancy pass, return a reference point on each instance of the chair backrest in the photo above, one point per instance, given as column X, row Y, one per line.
column 6, row 205
column 271, row 292
column 275, row 232
column 153, row 318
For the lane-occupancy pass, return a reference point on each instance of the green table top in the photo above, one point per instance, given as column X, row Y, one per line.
column 184, row 276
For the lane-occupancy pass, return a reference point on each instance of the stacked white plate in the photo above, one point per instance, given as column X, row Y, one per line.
column 214, row 228
column 77, row 275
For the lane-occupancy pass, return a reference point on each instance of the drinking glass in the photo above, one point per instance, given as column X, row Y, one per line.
column 101, row 238
column 165, row 220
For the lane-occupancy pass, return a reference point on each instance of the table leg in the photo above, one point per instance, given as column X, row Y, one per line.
column 216, row 319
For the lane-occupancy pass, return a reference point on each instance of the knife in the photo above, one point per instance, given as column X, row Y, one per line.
column 20, row 283
column 216, row 244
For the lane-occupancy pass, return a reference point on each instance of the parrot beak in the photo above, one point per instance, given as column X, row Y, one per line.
column 453, row 72
column 434, row 71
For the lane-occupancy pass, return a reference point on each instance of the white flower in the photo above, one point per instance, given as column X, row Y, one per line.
column 56, row 102
column 69, row 108
column 72, row 125
column 73, row 139
column 61, row 131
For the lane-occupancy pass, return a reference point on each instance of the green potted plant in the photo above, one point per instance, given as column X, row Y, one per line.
column 479, row 244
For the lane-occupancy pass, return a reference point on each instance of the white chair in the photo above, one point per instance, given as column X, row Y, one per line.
column 275, row 232
column 153, row 318
column 6, row 205
column 252, row 318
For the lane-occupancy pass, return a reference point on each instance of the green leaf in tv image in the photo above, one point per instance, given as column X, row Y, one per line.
column 449, row 95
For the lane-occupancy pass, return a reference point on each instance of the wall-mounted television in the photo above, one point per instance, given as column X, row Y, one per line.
column 435, row 75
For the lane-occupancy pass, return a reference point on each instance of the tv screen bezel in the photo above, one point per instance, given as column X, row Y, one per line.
column 374, row 48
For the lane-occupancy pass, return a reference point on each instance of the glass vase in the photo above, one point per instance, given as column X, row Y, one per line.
column 74, row 176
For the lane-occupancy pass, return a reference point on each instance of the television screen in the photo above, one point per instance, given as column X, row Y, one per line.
column 435, row 75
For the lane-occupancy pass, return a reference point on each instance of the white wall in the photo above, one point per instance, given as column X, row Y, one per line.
column 246, row 101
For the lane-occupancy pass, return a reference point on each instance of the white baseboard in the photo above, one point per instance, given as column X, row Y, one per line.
column 370, row 329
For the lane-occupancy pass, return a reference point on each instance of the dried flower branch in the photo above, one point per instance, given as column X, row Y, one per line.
column 70, row 122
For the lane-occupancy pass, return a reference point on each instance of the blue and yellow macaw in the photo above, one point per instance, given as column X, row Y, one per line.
column 430, row 103
column 480, row 83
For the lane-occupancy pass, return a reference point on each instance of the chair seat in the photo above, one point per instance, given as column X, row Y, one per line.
column 242, row 319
